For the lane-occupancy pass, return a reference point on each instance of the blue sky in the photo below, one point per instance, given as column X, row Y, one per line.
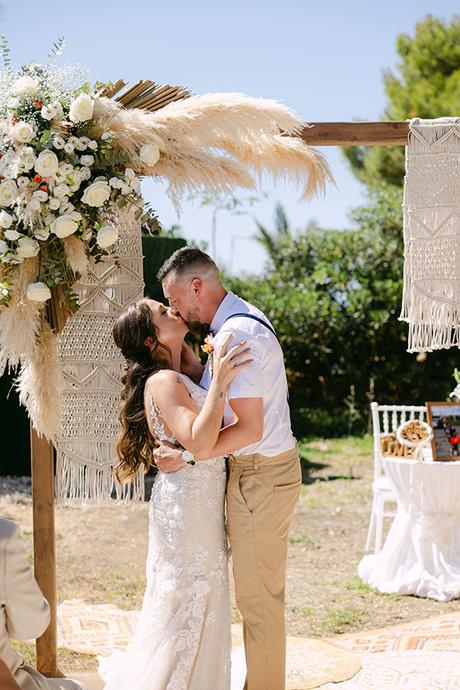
column 325, row 60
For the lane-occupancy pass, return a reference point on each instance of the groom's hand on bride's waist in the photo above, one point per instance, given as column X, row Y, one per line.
column 168, row 458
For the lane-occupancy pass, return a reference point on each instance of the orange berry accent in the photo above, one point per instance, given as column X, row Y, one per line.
column 37, row 179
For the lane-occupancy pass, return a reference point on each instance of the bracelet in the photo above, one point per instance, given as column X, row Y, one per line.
column 187, row 456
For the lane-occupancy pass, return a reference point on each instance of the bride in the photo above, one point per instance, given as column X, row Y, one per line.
column 183, row 638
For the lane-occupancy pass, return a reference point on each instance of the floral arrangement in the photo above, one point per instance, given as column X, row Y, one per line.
column 71, row 159
column 59, row 180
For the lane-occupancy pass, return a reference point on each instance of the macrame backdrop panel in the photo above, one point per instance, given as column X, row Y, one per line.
column 431, row 298
column 92, row 368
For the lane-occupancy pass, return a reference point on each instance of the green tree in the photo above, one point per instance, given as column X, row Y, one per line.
column 426, row 84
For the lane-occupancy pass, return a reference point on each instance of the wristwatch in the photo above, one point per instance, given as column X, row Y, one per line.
column 188, row 457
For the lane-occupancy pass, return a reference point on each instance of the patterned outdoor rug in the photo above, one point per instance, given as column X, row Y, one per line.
column 99, row 629
column 414, row 670
column 441, row 633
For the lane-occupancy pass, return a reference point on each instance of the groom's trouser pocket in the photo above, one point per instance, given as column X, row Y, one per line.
column 261, row 497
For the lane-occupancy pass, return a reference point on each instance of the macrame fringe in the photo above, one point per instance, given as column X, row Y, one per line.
column 432, row 325
column 78, row 482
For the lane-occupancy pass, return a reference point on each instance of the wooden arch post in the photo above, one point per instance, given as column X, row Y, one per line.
column 42, row 451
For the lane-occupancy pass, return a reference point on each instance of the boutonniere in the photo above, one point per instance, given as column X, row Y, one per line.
column 208, row 347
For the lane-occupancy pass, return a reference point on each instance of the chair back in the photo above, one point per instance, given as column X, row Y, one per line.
column 385, row 420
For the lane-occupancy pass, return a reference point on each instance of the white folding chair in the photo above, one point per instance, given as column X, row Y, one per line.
column 385, row 420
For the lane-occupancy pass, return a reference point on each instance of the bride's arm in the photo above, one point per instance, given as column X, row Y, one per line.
column 197, row 431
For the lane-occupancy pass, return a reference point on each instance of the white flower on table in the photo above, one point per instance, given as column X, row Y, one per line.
column 81, row 109
column 96, row 194
column 38, row 292
column 6, row 220
column 106, row 236
column 24, row 86
column 23, row 132
column 47, row 163
column 64, row 226
column 27, row 247
column 149, row 154
column 8, row 192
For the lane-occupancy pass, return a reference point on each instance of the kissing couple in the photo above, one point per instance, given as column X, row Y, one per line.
column 221, row 438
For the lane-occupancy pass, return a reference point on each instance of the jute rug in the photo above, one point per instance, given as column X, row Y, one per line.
column 99, row 629
column 415, row 670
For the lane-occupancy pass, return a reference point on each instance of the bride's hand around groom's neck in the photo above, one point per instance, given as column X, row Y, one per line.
column 190, row 364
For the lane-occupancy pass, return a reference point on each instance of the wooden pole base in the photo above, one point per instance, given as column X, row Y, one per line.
column 42, row 455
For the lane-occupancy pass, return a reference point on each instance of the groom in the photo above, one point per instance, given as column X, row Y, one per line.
column 264, row 472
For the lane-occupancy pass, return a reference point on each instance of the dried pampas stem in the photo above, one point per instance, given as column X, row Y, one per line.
column 39, row 384
column 76, row 255
column 255, row 135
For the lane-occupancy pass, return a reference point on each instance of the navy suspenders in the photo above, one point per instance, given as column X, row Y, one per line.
column 256, row 318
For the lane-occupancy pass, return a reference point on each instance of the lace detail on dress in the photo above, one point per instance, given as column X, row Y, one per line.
column 183, row 639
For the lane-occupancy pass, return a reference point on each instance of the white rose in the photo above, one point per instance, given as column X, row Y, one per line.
column 83, row 143
column 64, row 226
column 28, row 159
column 23, row 182
column 49, row 112
column 5, row 219
column 67, row 168
column 22, row 132
column 25, row 86
column 106, row 136
column 87, row 160
column 33, row 205
column 13, row 103
column 61, row 190
column 135, row 184
column 93, row 145
column 115, row 182
column 59, row 176
column 150, row 154
column 8, row 192
column 73, row 141
column 40, row 195
column 81, row 109
column 106, row 236
column 3, row 247
column 68, row 148
column 54, row 203
column 47, row 163
column 42, row 234
column 38, row 292
column 85, row 173
column 58, row 143
column 129, row 173
column 27, row 247
column 96, row 194
column 12, row 235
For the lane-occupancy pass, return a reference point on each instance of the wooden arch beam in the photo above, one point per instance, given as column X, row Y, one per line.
column 355, row 133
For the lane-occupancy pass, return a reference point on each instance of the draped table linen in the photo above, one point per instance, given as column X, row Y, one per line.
column 421, row 554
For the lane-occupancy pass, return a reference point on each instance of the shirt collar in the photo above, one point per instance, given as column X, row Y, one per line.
column 224, row 310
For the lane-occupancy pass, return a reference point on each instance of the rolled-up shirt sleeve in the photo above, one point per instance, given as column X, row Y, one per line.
column 249, row 382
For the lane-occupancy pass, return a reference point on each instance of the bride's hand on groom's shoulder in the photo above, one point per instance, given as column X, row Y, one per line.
column 168, row 458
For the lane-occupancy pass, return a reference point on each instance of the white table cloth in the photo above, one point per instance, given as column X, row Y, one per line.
column 421, row 554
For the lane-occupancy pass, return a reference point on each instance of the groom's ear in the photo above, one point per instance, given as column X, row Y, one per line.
column 197, row 284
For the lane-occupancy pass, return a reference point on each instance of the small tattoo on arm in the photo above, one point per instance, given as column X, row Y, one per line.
column 221, row 395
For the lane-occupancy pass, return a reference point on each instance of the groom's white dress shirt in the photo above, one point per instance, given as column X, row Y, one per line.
column 264, row 378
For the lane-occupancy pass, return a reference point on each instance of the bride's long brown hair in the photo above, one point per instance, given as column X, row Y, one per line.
column 135, row 443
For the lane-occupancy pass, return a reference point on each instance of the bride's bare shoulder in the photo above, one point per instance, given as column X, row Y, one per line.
column 164, row 379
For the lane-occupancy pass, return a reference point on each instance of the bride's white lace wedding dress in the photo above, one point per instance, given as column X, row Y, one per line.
column 183, row 638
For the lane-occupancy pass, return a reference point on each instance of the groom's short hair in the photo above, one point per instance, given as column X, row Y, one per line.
column 187, row 260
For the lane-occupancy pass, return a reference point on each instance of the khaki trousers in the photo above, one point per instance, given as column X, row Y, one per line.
column 261, row 495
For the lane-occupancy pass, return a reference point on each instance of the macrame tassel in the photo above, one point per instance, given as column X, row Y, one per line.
column 431, row 289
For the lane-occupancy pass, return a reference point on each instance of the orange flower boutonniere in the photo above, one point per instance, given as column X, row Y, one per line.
column 208, row 346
